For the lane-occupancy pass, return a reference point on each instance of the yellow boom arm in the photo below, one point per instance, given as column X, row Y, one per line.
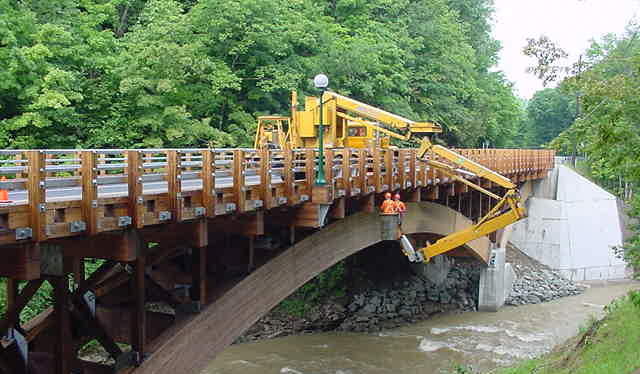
column 380, row 115
column 504, row 213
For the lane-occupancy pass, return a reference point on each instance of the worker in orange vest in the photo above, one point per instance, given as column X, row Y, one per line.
column 399, row 206
column 388, row 206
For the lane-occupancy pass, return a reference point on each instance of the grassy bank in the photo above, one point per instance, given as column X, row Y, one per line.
column 607, row 346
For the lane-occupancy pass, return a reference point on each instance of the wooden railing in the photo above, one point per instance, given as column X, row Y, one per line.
column 66, row 193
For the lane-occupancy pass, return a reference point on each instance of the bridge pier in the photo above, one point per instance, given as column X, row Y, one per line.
column 496, row 282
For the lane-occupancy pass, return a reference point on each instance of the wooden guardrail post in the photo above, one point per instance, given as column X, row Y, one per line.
column 136, row 199
column 377, row 170
column 209, row 182
column 37, row 194
column 346, row 171
column 238, row 180
column 265, row 178
column 400, row 166
column 89, row 191
column 310, row 167
column 362, row 171
column 287, row 158
column 174, row 184
column 388, row 162
column 413, row 178
column 328, row 167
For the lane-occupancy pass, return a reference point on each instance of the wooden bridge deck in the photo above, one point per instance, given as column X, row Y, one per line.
column 165, row 220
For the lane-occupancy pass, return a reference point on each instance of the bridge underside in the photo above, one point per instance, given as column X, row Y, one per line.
column 218, row 305
column 239, row 308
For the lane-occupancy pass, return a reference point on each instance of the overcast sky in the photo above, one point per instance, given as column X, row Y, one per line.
column 569, row 23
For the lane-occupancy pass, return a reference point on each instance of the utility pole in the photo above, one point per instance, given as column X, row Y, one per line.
column 574, row 156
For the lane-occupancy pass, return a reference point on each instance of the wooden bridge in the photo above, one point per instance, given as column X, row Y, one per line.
column 174, row 232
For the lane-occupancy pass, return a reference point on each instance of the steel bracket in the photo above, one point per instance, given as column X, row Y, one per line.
column 90, row 299
column 77, row 226
column 124, row 221
column 24, row 233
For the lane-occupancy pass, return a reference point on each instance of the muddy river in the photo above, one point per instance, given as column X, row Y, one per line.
column 482, row 340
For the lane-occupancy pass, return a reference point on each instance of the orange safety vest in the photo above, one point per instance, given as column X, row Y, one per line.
column 400, row 207
column 388, row 207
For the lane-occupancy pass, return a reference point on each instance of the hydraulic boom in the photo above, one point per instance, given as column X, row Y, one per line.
column 507, row 211
column 352, row 124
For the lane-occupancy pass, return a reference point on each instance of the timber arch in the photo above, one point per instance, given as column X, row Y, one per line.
column 207, row 334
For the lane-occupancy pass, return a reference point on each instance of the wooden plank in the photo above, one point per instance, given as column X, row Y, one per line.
column 266, row 194
column 136, row 199
column 21, row 262
column 64, row 342
column 414, row 195
column 460, row 188
column 246, row 224
column 337, row 210
column 37, row 197
column 388, row 161
column 12, row 294
column 89, row 191
column 413, row 177
column 401, row 178
column 117, row 321
column 289, row 190
column 308, row 215
column 238, row 180
column 117, row 246
column 174, row 185
column 433, row 193
column 377, row 171
column 310, row 166
column 362, row 171
column 139, row 314
column 328, row 167
column 209, row 183
column 346, row 172
column 97, row 330
column 251, row 262
column 199, row 274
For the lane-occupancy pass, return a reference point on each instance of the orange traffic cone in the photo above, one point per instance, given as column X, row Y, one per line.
column 4, row 194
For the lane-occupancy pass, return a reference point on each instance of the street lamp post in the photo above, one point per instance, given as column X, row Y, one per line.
column 321, row 82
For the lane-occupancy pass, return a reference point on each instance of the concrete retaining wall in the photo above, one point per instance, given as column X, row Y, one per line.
column 576, row 233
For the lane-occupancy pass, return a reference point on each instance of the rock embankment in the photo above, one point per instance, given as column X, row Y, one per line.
column 391, row 304
column 536, row 287
column 409, row 298
column 536, row 283
column 412, row 300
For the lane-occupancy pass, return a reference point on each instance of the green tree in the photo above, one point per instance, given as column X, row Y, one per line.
column 549, row 112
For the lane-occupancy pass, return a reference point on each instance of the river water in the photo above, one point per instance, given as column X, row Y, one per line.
column 482, row 340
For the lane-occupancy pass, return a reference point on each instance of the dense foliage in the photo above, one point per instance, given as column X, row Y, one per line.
column 150, row 73
column 548, row 113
